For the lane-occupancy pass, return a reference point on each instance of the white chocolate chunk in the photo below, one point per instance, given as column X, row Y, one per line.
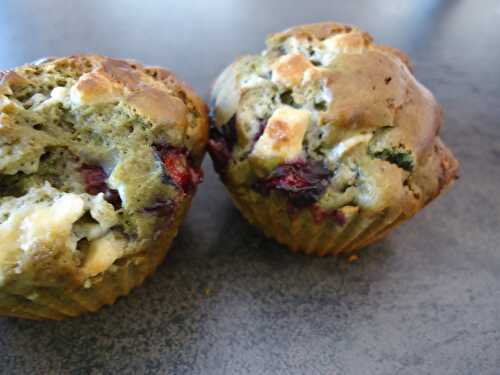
column 91, row 89
column 31, row 225
column 283, row 135
column 51, row 224
column 340, row 149
column 45, row 219
column 289, row 69
column 59, row 93
column 355, row 42
column 102, row 254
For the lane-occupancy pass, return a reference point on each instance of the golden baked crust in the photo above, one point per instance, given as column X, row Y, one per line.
column 367, row 128
column 147, row 88
column 372, row 84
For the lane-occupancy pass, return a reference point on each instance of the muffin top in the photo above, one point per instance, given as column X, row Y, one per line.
column 96, row 155
column 327, row 117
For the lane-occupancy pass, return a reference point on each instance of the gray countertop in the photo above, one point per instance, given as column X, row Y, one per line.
column 425, row 300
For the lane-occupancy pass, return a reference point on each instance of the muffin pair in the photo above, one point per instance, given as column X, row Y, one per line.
column 325, row 141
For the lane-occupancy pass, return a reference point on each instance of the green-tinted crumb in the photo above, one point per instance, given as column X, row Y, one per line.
column 402, row 159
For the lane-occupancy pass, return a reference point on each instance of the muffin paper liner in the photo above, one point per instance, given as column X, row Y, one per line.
column 301, row 233
column 53, row 303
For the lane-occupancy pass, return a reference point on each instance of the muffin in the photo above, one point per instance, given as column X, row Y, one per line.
column 99, row 160
column 325, row 140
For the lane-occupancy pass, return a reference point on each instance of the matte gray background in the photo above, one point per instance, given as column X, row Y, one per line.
column 426, row 300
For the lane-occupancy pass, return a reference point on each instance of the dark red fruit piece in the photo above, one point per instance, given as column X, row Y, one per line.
column 219, row 152
column 178, row 168
column 319, row 215
column 95, row 183
column 302, row 182
column 94, row 178
column 221, row 142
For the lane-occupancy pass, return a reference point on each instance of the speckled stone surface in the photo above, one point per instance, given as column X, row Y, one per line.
column 426, row 300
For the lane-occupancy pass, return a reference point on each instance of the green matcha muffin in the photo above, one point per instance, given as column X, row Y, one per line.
column 325, row 140
column 99, row 160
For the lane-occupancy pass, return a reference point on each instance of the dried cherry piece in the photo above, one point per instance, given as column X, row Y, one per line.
column 221, row 142
column 303, row 182
column 95, row 178
column 178, row 167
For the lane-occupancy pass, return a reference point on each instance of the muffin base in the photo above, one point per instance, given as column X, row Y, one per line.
column 40, row 303
column 298, row 230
